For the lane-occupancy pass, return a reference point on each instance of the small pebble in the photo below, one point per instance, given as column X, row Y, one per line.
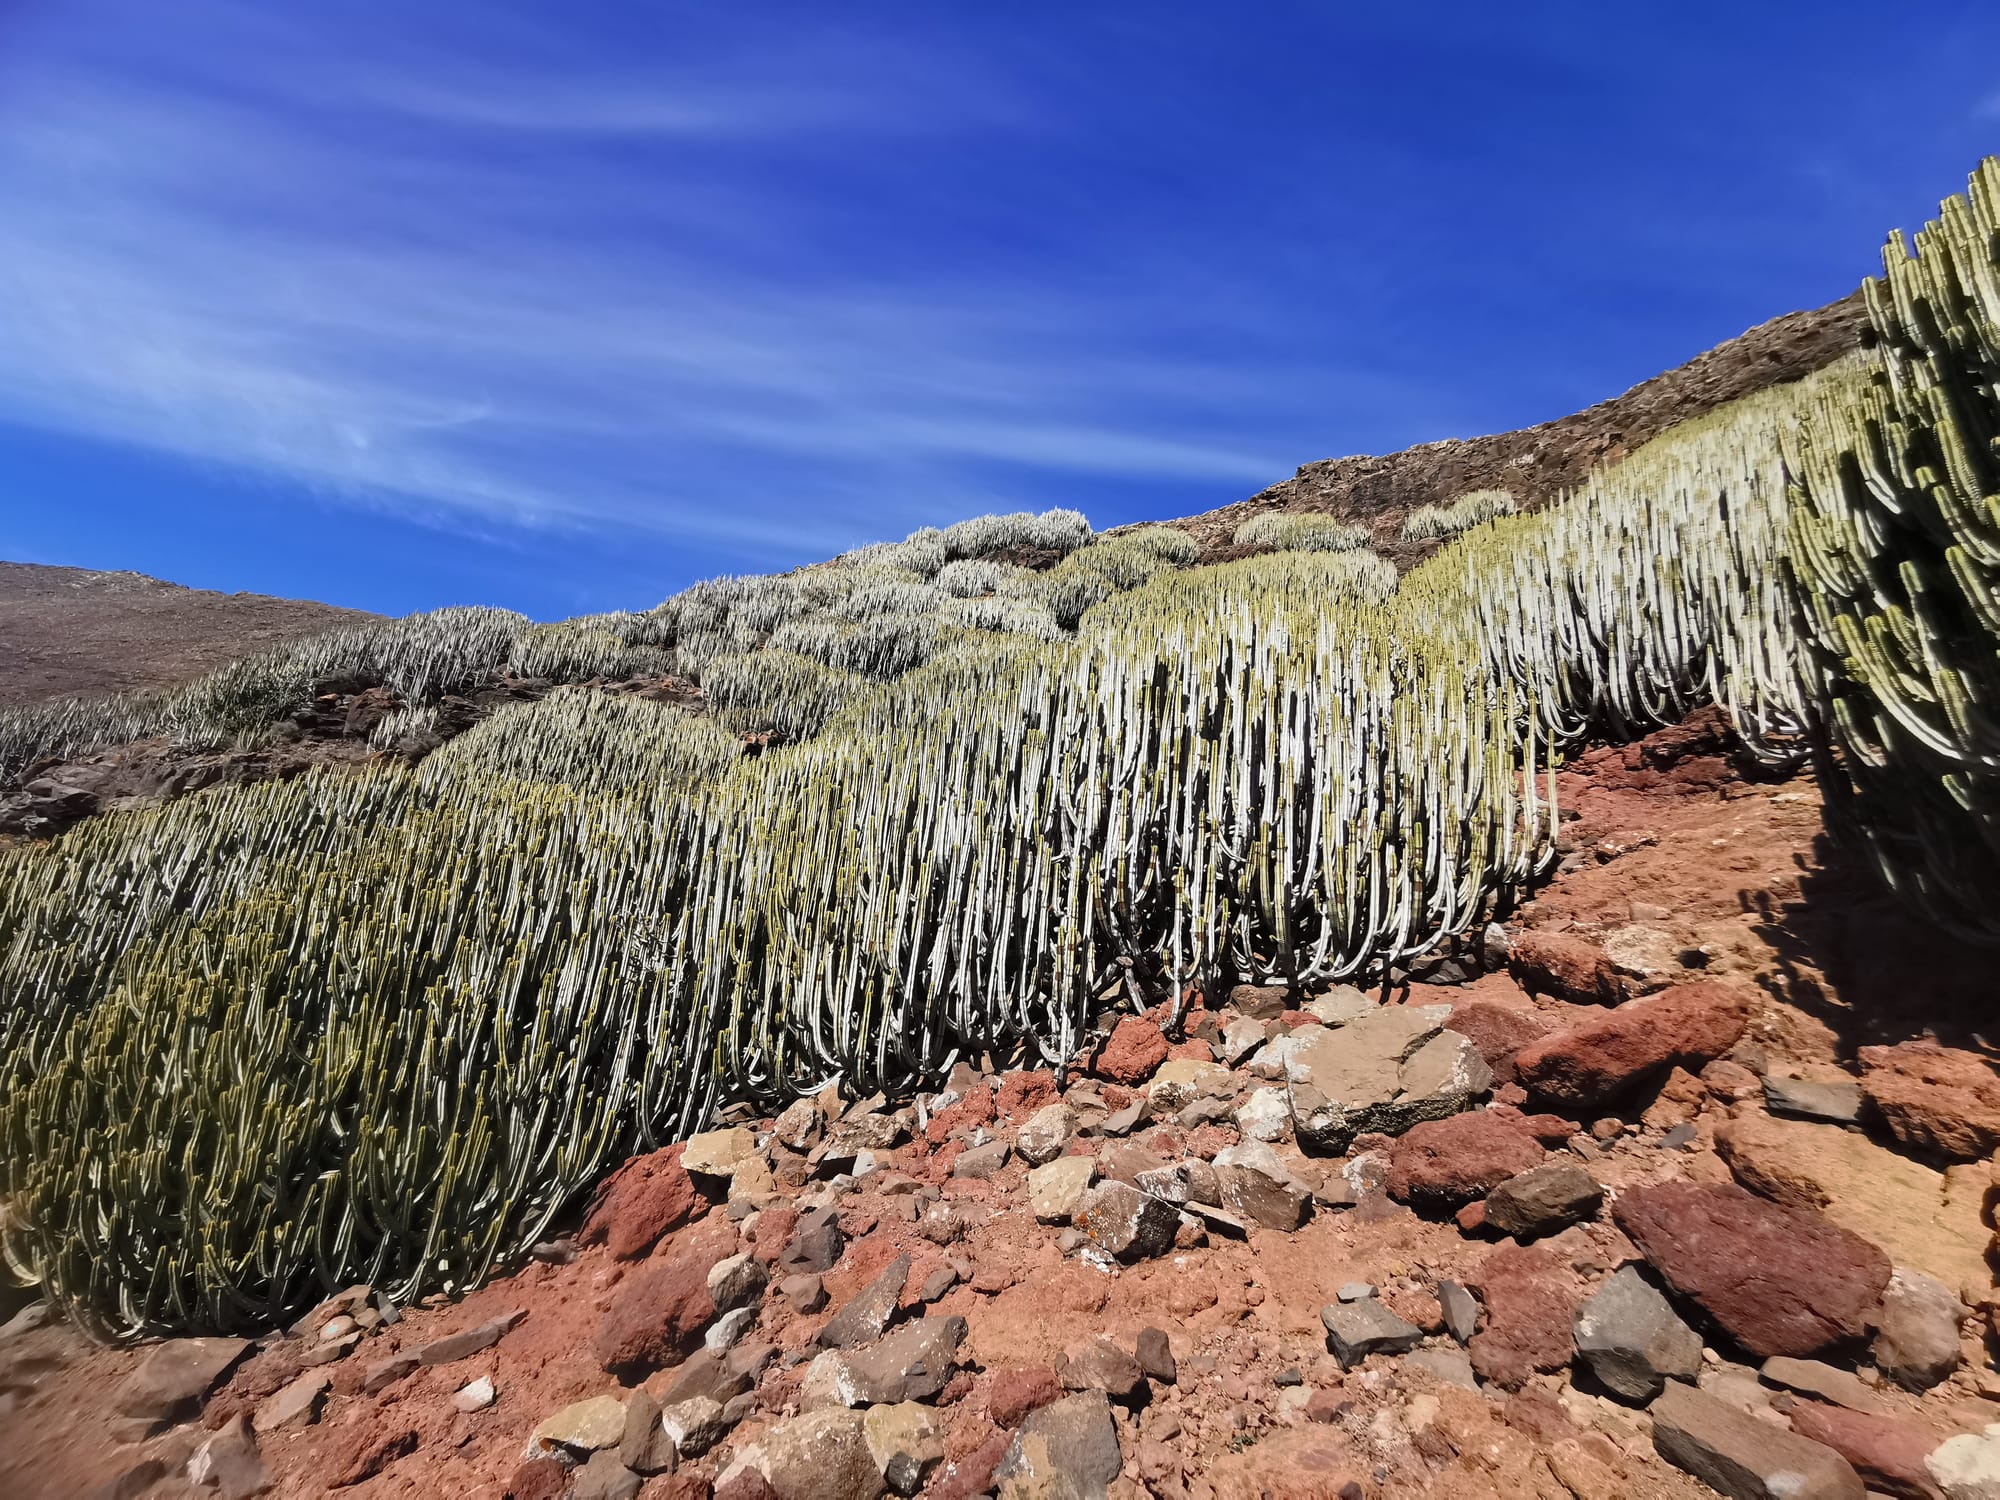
column 477, row 1395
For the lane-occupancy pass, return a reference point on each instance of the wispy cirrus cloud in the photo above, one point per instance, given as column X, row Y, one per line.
column 547, row 285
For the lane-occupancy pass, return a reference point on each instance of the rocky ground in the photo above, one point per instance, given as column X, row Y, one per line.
column 1679, row 1181
column 75, row 632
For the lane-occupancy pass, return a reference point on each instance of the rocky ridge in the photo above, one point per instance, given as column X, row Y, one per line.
column 1646, row 1192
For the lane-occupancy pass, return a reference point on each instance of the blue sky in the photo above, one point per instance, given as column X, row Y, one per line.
column 562, row 306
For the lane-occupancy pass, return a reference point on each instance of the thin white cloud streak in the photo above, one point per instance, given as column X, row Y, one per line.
column 198, row 274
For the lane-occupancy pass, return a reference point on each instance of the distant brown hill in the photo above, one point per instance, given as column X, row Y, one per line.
column 70, row 631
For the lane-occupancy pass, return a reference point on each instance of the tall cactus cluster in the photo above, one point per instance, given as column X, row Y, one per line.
column 1896, row 546
column 383, row 1025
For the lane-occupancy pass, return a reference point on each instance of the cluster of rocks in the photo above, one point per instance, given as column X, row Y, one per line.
column 1752, row 1276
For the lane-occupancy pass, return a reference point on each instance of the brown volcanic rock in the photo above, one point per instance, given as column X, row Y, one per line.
column 1592, row 1064
column 1498, row 1031
column 1441, row 1164
column 1942, row 1100
column 657, row 1318
column 1888, row 1454
column 1778, row 1280
column 1530, row 1316
column 1544, row 963
column 650, row 1196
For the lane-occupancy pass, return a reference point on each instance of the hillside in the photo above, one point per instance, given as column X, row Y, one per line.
column 1468, row 976
column 73, row 632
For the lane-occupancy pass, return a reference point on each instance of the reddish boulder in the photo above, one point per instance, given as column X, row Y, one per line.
column 1026, row 1090
column 1441, row 1164
column 1779, row 1280
column 1498, row 1031
column 1941, row 1100
column 363, row 1452
column 647, row 1198
column 1547, row 963
column 1135, row 1048
column 1012, row 1391
column 1531, row 1307
column 1888, row 1454
column 775, row 1226
column 538, row 1479
column 657, row 1317
column 1593, row 1064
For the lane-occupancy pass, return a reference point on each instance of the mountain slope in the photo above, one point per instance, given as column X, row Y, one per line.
column 74, row 631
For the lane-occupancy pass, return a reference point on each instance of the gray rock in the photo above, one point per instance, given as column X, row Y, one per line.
column 1124, row 1222
column 1258, row 1186
column 294, row 1405
column 1046, row 1134
column 1355, row 1291
column 1100, row 1365
column 815, row 1245
column 706, row 1373
column 822, row 1455
column 981, row 1161
column 804, row 1292
column 1383, row 1071
column 693, row 1426
column 174, row 1378
column 1155, row 1353
column 1744, row 1457
column 384, row 1373
column 1916, row 1340
column 1355, row 1330
column 456, row 1346
column 1835, row 1103
column 1339, row 1005
column 1633, row 1340
column 1265, row 1116
column 1260, row 1002
column 1125, row 1121
column 230, row 1462
column 869, row 1310
column 1205, row 1111
column 1543, row 1200
column 1461, row 1310
column 914, row 1363
column 737, row 1281
column 800, row 1126
column 726, row 1331
column 603, row 1478
column 1174, row 1182
column 646, row 1446
column 1240, row 1038
column 1067, row 1448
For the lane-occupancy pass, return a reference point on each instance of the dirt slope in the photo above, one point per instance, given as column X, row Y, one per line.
column 72, row 632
